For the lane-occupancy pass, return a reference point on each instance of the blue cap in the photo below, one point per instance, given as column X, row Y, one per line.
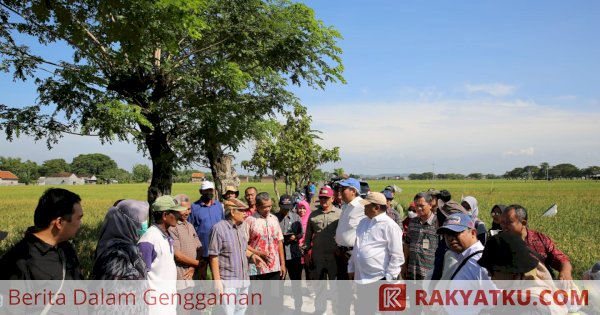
column 350, row 182
column 457, row 222
column 388, row 194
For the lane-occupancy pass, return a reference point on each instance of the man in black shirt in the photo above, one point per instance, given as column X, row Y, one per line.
column 45, row 252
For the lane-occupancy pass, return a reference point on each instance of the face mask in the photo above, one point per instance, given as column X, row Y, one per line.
column 412, row 214
column 207, row 197
column 143, row 228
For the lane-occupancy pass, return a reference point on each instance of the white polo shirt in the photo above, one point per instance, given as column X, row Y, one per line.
column 352, row 213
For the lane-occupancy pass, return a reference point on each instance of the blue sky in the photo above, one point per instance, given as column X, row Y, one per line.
column 449, row 86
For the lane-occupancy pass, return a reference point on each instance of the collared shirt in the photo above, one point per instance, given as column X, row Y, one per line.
column 185, row 240
column 422, row 241
column 394, row 215
column 351, row 215
column 264, row 235
column 229, row 242
column 471, row 270
column 549, row 255
column 203, row 218
column 290, row 224
column 320, row 233
column 156, row 248
column 33, row 259
column 249, row 212
column 377, row 251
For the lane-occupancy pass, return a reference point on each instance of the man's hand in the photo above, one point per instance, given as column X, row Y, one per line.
column 293, row 237
column 282, row 272
column 189, row 273
column 264, row 255
column 258, row 261
column 218, row 284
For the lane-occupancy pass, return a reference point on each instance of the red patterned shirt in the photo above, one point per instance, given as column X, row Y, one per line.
column 547, row 253
column 265, row 234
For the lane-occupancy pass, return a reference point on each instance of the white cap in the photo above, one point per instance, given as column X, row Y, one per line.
column 207, row 185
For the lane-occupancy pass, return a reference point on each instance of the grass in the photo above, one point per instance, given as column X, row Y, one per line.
column 575, row 229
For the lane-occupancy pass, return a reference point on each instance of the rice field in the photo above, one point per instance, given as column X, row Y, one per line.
column 576, row 228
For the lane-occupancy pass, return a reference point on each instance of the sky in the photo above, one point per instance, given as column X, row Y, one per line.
column 442, row 86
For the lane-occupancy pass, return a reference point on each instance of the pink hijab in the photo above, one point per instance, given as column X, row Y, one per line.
column 304, row 219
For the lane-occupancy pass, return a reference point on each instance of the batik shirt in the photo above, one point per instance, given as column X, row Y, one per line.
column 265, row 234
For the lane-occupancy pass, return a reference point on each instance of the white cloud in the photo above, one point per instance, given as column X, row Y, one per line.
column 494, row 89
column 522, row 152
column 447, row 135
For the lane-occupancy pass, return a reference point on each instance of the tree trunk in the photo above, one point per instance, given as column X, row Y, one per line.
column 221, row 167
column 275, row 185
column 163, row 159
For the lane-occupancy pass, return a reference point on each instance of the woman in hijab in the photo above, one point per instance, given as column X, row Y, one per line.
column 470, row 204
column 117, row 255
column 303, row 211
column 495, row 213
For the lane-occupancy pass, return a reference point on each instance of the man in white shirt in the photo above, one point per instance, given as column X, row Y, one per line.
column 461, row 259
column 345, row 236
column 377, row 252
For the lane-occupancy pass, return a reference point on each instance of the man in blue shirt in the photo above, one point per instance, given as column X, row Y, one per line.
column 206, row 212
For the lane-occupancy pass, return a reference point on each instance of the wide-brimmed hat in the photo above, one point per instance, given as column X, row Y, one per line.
column 233, row 189
column 451, row 207
column 507, row 252
column 234, row 204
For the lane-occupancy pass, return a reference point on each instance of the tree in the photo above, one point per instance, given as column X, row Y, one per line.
column 543, row 172
column 27, row 171
column 339, row 172
column 589, row 171
column 141, row 173
column 565, row 170
column 92, row 164
column 289, row 151
column 475, row 176
column 54, row 166
column 158, row 72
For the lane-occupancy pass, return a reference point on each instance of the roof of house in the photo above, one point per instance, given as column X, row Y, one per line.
column 197, row 175
column 63, row 174
column 7, row 175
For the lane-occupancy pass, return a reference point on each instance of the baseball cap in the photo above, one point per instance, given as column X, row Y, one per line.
column 286, row 202
column 207, row 185
column 350, row 182
column 234, row 203
column 326, row 192
column 374, row 197
column 167, row 203
column 3, row 235
column 457, row 222
column 388, row 194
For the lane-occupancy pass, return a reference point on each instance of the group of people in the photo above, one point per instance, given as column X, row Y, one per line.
column 345, row 237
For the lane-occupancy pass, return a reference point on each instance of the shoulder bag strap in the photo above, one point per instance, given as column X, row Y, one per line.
column 463, row 262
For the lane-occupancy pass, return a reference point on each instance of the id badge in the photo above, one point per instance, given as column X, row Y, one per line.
column 425, row 243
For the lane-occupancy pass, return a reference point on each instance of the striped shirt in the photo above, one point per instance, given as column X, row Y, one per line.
column 422, row 241
column 185, row 240
column 229, row 242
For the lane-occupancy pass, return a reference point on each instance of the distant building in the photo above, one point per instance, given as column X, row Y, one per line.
column 244, row 179
column 8, row 179
column 61, row 179
column 198, row 177
column 90, row 180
